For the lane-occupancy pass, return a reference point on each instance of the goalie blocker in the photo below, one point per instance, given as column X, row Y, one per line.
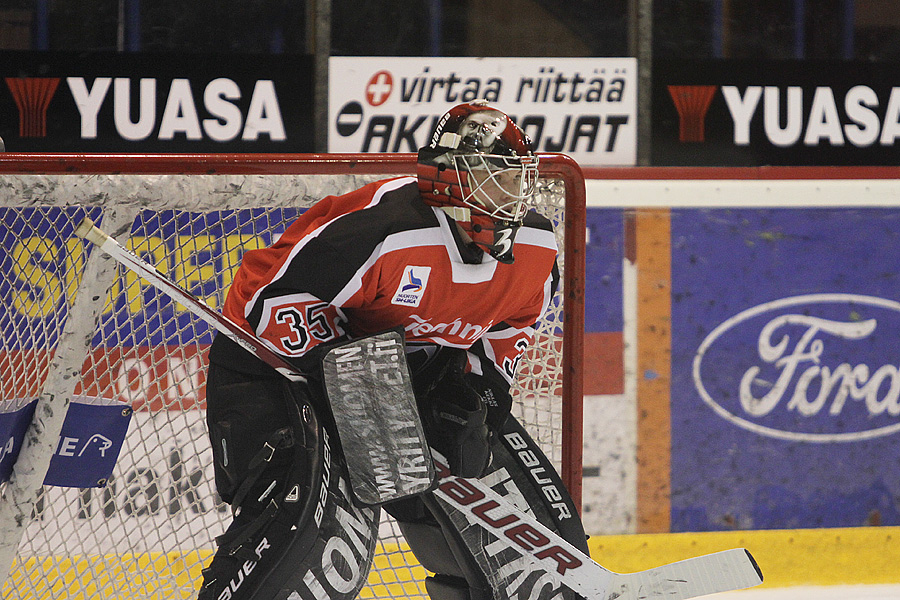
column 301, row 531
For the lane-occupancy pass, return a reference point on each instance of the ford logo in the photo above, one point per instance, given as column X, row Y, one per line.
column 812, row 368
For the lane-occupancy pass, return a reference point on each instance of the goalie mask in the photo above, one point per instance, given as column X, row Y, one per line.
column 480, row 168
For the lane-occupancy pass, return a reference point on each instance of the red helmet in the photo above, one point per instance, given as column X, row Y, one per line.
column 480, row 168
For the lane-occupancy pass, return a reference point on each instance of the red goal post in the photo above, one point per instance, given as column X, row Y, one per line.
column 174, row 209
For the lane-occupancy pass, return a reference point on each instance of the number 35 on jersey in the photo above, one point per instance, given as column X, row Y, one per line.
column 294, row 324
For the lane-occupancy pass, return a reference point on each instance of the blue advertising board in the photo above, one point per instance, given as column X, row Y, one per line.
column 603, row 296
column 201, row 252
column 785, row 397
column 89, row 442
column 604, row 252
column 15, row 415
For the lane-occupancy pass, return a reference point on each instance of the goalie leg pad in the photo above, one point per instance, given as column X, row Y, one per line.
column 432, row 550
column 536, row 479
column 441, row 551
column 243, row 416
column 439, row 547
column 302, row 535
column 522, row 473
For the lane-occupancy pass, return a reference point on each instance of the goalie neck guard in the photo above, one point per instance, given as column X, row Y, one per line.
column 480, row 169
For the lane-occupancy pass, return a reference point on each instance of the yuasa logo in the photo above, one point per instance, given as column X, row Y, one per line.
column 412, row 286
column 180, row 115
column 692, row 102
column 793, row 115
column 814, row 368
column 830, row 118
column 32, row 96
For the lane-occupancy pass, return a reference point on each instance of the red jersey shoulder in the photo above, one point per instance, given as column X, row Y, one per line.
column 331, row 208
column 337, row 234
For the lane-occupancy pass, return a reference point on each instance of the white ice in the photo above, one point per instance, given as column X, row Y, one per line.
column 832, row 592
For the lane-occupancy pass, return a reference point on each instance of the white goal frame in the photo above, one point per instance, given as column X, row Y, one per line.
column 118, row 188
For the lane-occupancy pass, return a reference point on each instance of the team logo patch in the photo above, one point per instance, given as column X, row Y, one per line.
column 412, row 286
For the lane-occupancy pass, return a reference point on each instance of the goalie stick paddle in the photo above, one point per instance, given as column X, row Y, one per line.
column 491, row 525
column 486, row 519
column 90, row 232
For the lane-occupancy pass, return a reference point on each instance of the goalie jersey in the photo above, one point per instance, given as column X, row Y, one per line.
column 379, row 258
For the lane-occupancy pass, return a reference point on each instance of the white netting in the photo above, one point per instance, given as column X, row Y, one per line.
column 150, row 529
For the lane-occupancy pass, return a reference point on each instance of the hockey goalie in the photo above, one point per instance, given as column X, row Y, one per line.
column 455, row 261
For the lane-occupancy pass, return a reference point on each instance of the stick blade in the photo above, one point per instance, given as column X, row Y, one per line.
column 708, row 574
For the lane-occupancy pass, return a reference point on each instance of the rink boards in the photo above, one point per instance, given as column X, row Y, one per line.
column 757, row 312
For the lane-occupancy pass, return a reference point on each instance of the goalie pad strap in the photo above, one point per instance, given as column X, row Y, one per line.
column 243, row 417
column 234, row 541
column 278, row 440
column 283, row 438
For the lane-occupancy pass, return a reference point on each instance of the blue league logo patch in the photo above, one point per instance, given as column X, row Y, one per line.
column 412, row 286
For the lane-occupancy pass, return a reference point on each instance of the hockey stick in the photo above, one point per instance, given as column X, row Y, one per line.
column 90, row 232
column 477, row 511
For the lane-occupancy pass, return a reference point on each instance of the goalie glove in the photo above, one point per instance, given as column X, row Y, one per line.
column 455, row 420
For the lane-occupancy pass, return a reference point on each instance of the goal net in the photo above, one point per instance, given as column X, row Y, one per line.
column 76, row 326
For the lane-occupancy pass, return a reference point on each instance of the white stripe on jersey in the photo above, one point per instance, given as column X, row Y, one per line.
column 508, row 332
column 376, row 198
column 355, row 282
column 389, row 187
column 536, row 237
column 414, row 238
column 467, row 273
column 460, row 271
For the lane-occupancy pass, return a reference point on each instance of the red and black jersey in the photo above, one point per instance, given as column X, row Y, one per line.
column 379, row 258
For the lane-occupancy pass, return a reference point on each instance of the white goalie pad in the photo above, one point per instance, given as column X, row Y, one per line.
column 370, row 391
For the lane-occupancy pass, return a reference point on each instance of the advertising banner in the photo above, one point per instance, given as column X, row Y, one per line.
column 15, row 416
column 603, row 296
column 583, row 107
column 126, row 487
column 43, row 261
column 162, row 483
column 785, row 397
column 139, row 102
column 89, row 442
column 731, row 112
